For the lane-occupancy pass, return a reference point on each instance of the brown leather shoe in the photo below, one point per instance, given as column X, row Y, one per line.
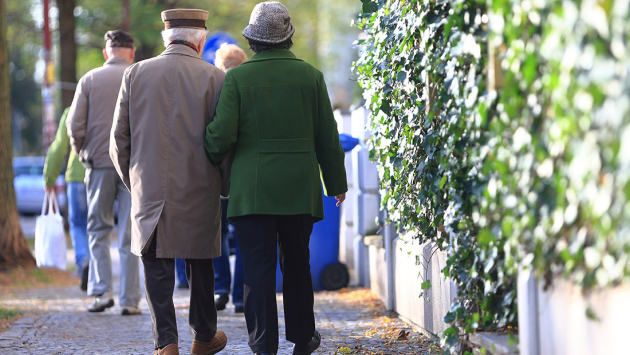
column 170, row 349
column 209, row 348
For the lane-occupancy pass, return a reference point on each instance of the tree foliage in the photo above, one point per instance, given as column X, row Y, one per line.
column 24, row 44
column 564, row 117
column 95, row 17
column 510, row 131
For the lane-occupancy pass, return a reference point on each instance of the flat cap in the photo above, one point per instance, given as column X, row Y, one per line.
column 269, row 23
column 118, row 38
column 190, row 18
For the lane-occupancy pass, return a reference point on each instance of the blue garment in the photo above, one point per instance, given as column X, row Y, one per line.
column 222, row 274
column 180, row 267
column 239, row 284
column 77, row 217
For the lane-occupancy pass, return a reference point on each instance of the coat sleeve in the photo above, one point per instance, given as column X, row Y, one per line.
column 57, row 152
column 120, row 135
column 221, row 133
column 226, row 170
column 77, row 117
column 330, row 155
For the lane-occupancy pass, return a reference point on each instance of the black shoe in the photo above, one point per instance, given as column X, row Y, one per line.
column 220, row 300
column 85, row 272
column 308, row 348
column 239, row 309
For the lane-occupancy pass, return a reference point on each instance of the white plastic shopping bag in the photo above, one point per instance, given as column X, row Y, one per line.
column 50, row 237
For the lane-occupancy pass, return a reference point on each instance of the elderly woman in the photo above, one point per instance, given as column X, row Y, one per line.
column 227, row 57
column 274, row 109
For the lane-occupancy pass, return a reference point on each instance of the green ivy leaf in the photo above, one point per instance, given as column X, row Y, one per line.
column 485, row 237
column 386, row 108
column 401, row 76
column 369, row 6
column 449, row 317
column 443, row 181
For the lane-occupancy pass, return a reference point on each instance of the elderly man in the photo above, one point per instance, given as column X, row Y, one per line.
column 163, row 107
column 275, row 110
column 89, row 122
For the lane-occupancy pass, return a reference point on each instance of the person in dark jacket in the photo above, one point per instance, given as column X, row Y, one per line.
column 275, row 111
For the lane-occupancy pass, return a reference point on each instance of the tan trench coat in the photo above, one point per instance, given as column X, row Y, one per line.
column 157, row 146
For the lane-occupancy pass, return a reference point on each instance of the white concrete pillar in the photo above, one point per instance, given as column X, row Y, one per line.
column 528, row 327
column 389, row 239
column 361, row 274
column 347, row 233
column 366, row 199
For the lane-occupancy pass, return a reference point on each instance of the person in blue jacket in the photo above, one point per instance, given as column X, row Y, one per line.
column 227, row 57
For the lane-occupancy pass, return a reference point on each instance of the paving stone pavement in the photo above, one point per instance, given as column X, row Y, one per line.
column 56, row 322
column 60, row 325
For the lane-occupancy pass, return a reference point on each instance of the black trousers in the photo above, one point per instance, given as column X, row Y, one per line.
column 260, row 238
column 159, row 278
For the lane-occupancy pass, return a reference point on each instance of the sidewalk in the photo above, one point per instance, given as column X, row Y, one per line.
column 62, row 326
column 56, row 322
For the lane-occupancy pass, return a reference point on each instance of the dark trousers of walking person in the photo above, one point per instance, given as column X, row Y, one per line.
column 159, row 278
column 222, row 273
column 261, row 237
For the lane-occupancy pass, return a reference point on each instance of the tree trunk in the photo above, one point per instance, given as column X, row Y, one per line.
column 125, row 13
column 13, row 248
column 146, row 50
column 68, row 51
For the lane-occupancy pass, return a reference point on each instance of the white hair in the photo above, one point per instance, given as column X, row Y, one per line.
column 192, row 35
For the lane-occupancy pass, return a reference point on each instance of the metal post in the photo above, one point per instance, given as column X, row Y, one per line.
column 48, row 111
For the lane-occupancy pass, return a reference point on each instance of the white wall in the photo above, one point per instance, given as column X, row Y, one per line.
column 564, row 327
column 347, row 233
column 428, row 311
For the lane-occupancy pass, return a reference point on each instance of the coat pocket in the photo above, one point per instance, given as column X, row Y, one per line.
column 297, row 145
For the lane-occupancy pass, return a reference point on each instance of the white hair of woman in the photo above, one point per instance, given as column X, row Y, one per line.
column 192, row 35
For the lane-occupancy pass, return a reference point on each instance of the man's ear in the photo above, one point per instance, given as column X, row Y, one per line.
column 105, row 53
column 133, row 54
column 200, row 45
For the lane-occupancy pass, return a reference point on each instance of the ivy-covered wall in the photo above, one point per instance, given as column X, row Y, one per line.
column 502, row 132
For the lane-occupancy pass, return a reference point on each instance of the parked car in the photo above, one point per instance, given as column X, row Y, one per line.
column 29, row 185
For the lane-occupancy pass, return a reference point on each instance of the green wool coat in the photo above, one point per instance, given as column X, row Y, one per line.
column 275, row 110
column 75, row 172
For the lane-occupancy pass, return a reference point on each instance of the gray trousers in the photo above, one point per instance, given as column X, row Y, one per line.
column 104, row 186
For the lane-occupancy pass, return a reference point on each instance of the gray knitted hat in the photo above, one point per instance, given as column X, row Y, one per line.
column 269, row 23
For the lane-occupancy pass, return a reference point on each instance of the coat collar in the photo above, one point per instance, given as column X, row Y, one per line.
column 273, row 54
column 180, row 49
column 116, row 60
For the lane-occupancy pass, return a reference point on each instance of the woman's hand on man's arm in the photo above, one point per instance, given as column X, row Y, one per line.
column 340, row 199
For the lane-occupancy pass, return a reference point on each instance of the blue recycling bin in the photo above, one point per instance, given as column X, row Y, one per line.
column 326, row 270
